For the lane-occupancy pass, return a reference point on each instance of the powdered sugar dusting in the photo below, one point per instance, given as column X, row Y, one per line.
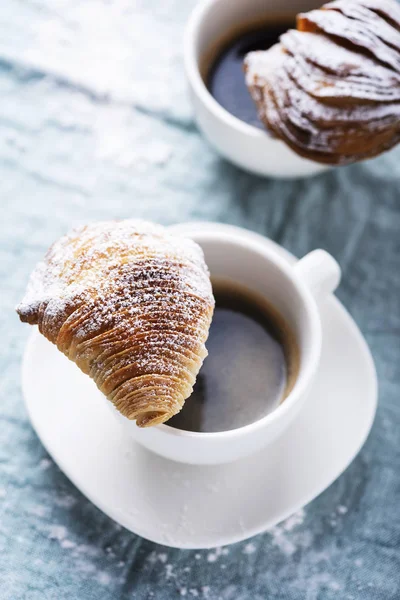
column 103, row 578
column 282, row 536
column 67, row 544
column 249, row 548
column 58, row 532
column 65, row 274
column 65, row 501
column 44, row 464
column 216, row 554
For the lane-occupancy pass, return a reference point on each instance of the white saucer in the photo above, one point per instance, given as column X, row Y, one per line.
column 192, row 506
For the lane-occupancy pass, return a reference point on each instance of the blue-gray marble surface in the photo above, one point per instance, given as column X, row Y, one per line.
column 95, row 123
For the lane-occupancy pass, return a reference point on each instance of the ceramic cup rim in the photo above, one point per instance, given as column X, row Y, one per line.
column 194, row 77
column 307, row 370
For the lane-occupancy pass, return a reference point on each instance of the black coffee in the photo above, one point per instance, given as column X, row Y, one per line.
column 251, row 365
column 225, row 76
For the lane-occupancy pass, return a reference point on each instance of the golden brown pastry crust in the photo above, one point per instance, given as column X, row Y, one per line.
column 131, row 305
column 331, row 88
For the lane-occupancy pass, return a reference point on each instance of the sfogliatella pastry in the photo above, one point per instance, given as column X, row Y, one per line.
column 331, row 88
column 131, row 305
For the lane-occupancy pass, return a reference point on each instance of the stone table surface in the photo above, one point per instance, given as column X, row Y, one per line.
column 95, row 123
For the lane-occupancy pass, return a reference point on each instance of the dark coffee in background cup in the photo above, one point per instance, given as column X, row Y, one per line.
column 251, row 367
column 223, row 68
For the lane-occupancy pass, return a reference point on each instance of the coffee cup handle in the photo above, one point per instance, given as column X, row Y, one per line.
column 320, row 272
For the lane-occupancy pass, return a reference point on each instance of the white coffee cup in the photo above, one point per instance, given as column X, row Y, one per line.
column 246, row 146
column 233, row 253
